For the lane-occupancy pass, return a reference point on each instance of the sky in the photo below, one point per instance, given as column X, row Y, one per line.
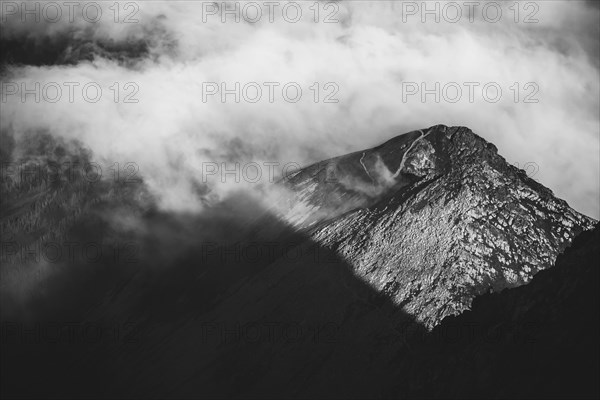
column 333, row 77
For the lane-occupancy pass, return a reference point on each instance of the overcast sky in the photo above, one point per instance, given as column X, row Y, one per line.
column 370, row 59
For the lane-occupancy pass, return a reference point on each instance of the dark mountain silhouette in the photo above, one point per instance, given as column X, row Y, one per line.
column 252, row 302
column 293, row 321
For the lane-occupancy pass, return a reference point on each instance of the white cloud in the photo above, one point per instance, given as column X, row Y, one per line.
column 368, row 55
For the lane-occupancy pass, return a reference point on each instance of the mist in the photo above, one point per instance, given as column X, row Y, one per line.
column 357, row 73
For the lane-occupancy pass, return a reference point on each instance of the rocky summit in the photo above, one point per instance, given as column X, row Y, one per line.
column 433, row 218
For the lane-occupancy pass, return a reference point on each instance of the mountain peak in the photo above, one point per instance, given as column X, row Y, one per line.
column 433, row 218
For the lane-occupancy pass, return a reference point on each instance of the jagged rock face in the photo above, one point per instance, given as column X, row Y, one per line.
column 433, row 218
column 525, row 336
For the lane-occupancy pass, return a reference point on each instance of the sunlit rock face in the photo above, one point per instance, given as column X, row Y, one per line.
column 433, row 218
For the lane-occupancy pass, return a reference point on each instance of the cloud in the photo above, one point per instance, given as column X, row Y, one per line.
column 370, row 58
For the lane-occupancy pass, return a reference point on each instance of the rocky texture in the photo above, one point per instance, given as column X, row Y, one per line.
column 536, row 341
column 433, row 218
